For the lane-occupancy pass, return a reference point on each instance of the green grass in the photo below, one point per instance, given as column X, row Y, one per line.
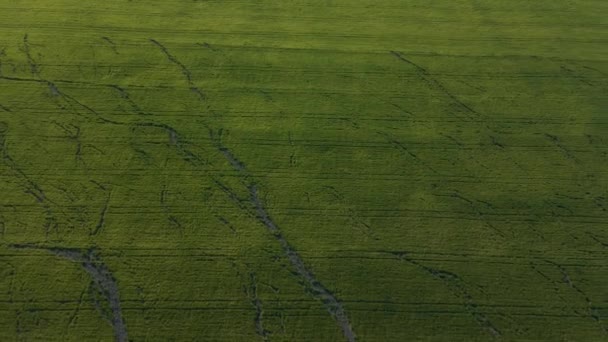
column 440, row 167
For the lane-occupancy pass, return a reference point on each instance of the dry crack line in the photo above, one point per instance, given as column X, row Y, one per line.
column 101, row 277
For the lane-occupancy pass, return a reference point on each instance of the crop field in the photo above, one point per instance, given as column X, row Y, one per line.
column 303, row 170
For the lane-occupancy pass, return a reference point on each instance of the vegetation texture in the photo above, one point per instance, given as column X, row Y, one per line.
column 303, row 170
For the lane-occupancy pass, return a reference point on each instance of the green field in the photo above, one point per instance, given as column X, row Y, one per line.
column 303, row 170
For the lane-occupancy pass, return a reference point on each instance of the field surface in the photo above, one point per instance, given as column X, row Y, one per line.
column 303, row 170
